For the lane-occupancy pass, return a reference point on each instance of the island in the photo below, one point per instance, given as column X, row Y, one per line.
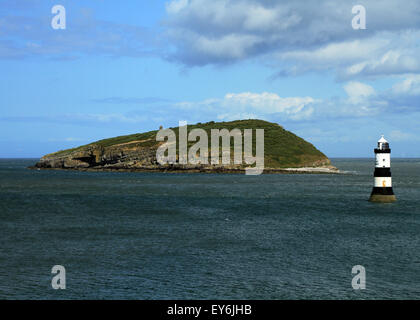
column 284, row 152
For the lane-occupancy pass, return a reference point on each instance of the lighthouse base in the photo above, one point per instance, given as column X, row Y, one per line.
column 384, row 195
column 382, row 198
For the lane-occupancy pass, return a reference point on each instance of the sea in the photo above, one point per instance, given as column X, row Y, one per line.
column 122, row 235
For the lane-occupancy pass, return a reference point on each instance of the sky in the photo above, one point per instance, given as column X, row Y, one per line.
column 121, row 67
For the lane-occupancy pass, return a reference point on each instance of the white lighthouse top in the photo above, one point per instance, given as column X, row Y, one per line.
column 382, row 140
column 383, row 144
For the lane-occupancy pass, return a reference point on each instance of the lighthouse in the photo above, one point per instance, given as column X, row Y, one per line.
column 382, row 189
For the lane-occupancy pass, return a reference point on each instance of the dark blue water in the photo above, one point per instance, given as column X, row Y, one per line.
column 199, row 236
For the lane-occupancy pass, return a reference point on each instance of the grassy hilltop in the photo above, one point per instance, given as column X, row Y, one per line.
column 283, row 149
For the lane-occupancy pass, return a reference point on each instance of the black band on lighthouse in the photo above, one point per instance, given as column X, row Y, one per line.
column 382, row 172
column 383, row 191
column 382, row 150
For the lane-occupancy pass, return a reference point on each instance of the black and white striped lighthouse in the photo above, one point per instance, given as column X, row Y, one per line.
column 382, row 189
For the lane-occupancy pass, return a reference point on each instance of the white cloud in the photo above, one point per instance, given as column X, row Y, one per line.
column 247, row 105
column 410, row 86
column 176, row 6
column 358, row 91
column 390, row 63
column 268, row 102
column 230, row 46
column 338, row 53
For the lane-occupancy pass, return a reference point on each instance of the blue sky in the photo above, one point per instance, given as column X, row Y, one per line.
column 125, row 67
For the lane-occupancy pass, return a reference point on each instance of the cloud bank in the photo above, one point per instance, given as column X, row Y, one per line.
column 297, row 36
column 292, row 37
